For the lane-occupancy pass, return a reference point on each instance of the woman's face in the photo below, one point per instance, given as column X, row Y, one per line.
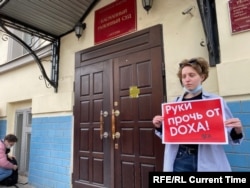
column 190, row 78
column 8, row 144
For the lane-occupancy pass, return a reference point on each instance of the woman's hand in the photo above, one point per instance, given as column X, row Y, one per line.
column 15, row 167
column 157, row 120
column 234, row 123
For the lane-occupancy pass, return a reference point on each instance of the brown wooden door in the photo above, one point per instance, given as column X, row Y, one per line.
column 93, row 95
column 137, row 150
column 124, row 160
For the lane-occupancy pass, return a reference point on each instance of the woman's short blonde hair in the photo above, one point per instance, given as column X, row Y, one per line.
column 199, row 64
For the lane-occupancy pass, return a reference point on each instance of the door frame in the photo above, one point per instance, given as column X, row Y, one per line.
column 23, row 132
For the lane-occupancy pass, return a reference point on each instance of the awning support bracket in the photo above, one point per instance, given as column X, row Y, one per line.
column 53, row 81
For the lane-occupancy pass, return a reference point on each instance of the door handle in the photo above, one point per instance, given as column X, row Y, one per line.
column 103, row 134
column 115, row 135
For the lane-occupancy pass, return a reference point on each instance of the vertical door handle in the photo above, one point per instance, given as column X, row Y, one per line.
column 113, row 124
column 114, row 133
column 103, row 134
column 101, row 124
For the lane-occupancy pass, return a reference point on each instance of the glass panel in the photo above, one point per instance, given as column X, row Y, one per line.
column 29, row 119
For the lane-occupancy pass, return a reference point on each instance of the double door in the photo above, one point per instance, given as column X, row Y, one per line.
column 115, row 101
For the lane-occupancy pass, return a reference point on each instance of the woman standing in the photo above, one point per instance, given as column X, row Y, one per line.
column 198, row 157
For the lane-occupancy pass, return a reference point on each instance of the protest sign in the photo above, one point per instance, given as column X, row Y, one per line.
column 194, row 122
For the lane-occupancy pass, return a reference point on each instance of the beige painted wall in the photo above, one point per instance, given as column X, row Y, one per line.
column 233, row 72
column 182, row 36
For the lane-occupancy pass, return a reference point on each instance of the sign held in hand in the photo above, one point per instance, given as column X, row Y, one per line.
column 194, row 122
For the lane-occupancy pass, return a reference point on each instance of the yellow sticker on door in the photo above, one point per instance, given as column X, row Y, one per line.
column 134, row 92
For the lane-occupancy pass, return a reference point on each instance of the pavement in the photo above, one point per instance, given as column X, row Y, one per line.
column 22, row 183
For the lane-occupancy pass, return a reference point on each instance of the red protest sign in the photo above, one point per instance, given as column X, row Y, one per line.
column 194, row 122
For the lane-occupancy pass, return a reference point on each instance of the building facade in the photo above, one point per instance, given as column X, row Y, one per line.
column 44, row 119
